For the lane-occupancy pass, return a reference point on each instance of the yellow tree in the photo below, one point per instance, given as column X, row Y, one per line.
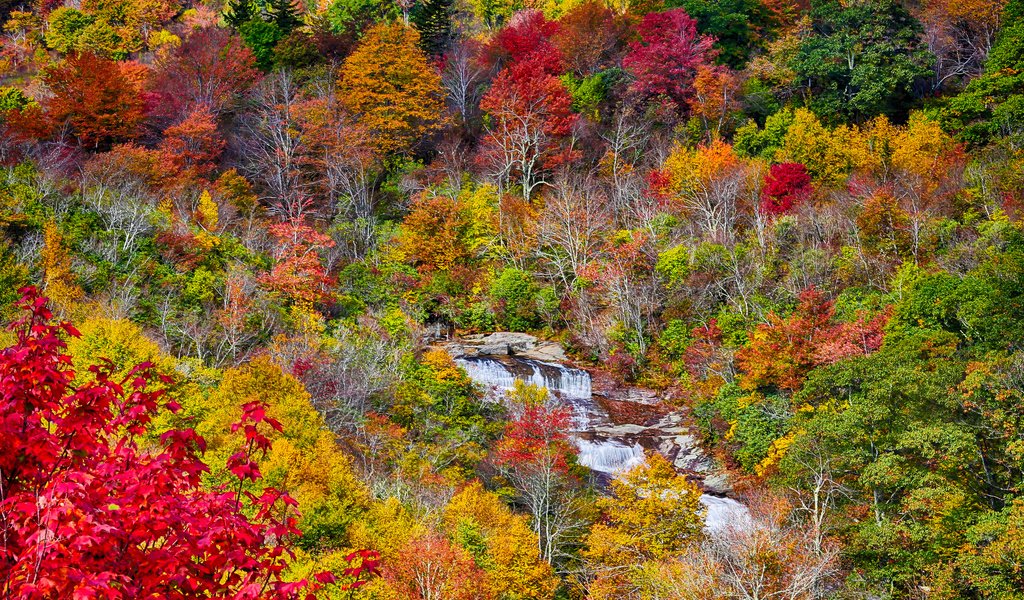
column 59, row 281
column 442, row 231
column 501, row 543
column 829, row 155
column 653, row 513
column 389, row 84
column 303, row 460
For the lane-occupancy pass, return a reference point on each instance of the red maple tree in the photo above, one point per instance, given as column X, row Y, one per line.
column 785, row 186
column 92, row 508
column 297, row 272
column 537, row 436
column 97, row 100
column 664, row 62
column 531, row 116
column 528, row 38
column 193, row 144
column 784, row 350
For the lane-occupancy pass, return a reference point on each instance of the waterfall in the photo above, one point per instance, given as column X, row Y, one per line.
column 601, row 449
column 724, row 513
column 500, row 376
column 490, row 373
column 609, row 456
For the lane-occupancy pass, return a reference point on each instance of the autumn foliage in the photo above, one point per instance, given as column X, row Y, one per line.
column 782, row 351
column 89, row 505
column 99, row 100
column 785, row 186
column 664, row 62
column 787, row 232
column 398, row 98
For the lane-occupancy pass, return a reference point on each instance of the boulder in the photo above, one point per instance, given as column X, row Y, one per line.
column 547, row 352
column 493, row 350
column 507, row 343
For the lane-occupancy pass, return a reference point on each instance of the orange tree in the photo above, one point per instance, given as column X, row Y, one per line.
column 388, row 83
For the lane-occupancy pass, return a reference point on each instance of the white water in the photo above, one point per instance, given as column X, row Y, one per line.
column 609, row 456
column 558, row 379
column 724, row 513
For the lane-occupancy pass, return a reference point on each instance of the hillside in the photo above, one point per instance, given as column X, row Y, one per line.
column 509, row 300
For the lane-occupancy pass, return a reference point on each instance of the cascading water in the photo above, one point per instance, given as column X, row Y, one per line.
column 570, row 385
column 724, row 513
column 609, row 456
column 500, row 376
column 606, row 455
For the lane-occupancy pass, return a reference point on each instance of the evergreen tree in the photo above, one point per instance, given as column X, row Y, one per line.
column 284, row 14
column 433, row 19
column 238, row 13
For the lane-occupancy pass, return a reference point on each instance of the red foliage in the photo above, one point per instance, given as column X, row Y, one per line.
column 209, row 71
column 664, row 62
column 590, row 37
column 89, row 511
column 297, row 272
column 527, row 38
column 785, row 186
column 99, row 100
column 180, row 246
column 659, row 186
column 193, row 144
column 782, row 351
column 365, row 566
column 531, row 113
column 430, row 567
column 525, row 89
column 537, row 435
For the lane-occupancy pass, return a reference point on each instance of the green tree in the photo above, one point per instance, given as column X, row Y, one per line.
column 261, row 37
column 285, row 14
column 66, row 26
column 238, row 13
column 354, row 16
column 992, row 105
column 433, row 19
column 862, row 59
column 738, row 26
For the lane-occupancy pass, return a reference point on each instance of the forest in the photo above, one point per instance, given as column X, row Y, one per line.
column 240, row 241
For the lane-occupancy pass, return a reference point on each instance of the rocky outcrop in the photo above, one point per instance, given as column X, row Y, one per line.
column 506, row 343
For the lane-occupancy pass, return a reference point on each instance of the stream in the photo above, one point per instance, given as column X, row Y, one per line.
column 612, row 435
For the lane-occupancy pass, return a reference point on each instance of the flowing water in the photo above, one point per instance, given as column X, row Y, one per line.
column 606, row 447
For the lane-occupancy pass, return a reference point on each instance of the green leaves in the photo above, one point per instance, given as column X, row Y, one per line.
column 992, row 104
column 862, row 60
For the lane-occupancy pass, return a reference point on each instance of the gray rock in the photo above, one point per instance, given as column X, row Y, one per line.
column 517, row 343
column 717, row 483
column 494, row 350
column 546, row 352
column 620, row 430
column 507, row 343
